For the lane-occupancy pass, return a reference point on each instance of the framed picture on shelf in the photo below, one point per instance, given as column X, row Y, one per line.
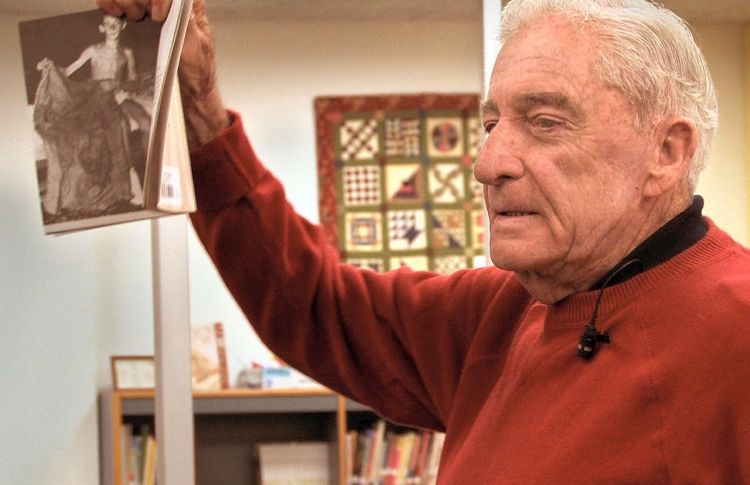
column 133, row 372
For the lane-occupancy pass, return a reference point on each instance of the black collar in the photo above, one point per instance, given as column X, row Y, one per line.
column 687, row 228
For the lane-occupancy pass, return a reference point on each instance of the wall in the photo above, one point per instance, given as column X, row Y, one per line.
column 68, row 303
column 724, row 182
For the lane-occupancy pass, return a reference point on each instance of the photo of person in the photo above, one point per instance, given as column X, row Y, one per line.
column 91, row 88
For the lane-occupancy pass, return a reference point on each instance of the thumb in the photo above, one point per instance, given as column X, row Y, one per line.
column 160, row 9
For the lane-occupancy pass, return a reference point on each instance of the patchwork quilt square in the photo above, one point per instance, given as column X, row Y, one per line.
column 407, row 230
column 404, row 183
column 364, row 231
column 445, row 137
column 403, row 137
column 359, row 139
column 449, row 229
column 361, row 185
column 447, row 183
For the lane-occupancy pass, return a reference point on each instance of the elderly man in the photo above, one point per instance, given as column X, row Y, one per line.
column 610, row 342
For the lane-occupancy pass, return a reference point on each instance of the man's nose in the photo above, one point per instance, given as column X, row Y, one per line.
column 500, row 158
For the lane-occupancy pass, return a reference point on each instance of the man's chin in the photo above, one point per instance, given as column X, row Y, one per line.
column 515, row 262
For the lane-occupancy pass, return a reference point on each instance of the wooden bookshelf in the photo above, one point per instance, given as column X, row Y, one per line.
column 228, row 426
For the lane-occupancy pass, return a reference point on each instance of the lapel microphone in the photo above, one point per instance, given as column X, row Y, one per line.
column 591, row 336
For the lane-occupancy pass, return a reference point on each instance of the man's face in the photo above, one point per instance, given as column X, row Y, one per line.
column 562, row 166
column 112, row 27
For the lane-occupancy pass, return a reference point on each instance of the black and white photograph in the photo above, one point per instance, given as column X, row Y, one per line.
column 90, row 79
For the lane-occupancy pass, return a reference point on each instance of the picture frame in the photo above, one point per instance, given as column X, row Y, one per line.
column 133, row 372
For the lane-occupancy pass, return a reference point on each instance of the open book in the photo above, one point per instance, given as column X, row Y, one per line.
column 107, row 118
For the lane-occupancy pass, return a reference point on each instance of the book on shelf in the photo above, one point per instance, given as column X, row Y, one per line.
column 148, row 473
column 108, row 127
column 307, row 463
column 208, row 358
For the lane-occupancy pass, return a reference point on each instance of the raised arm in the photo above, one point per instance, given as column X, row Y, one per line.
column 205, row 114
column 85, row 56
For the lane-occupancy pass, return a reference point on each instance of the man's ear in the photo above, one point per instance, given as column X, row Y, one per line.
column 677, row 142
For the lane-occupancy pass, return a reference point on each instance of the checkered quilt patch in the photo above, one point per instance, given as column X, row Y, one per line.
column 396, row 183
column 361, row 185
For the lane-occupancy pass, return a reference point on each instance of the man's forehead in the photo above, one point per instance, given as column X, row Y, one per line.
column 528, row 74
column 549, row 46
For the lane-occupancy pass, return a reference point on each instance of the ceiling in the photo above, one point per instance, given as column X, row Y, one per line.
column 713, row 11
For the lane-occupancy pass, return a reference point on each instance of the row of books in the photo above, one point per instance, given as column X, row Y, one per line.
column 383, row 455
column 139, row 455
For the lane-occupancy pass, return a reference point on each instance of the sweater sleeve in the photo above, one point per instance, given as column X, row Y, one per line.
column 394, row 341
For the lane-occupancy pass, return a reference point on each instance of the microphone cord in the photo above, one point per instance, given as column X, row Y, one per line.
column 591, row 336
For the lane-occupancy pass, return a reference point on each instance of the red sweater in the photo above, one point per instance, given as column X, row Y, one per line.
column 668, row 401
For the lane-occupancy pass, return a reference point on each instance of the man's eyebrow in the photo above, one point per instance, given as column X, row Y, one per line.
column 488, row 108
column 525, row 101
column 553, row 98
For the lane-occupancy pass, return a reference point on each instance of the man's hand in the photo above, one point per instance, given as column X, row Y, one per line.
column 45, row 64
column 136, row 9
column 204, row 110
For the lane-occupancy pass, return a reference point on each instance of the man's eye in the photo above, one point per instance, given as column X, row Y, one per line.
column 489, row 125
column 545, row 123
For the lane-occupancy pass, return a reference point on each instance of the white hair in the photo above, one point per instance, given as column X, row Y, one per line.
column 645, row 51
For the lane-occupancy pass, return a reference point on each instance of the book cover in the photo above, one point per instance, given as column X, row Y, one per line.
column 307, row 463
column 376, row 452
column 208, row 357
column 433, row 458
column 149, row 461
column 110, row 142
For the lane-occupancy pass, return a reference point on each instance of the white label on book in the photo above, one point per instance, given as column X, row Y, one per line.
column 170, row 192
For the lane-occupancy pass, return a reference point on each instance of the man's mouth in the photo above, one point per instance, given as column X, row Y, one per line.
column 516, row 213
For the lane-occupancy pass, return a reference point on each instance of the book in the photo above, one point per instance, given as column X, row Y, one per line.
column 433, row 459
column 303, row 463
column 110, row 141
column 149, row 461
column 208, row 357
column 128, row 456
column 376, row 452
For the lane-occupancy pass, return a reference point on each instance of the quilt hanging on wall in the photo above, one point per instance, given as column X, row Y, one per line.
column 395, row 180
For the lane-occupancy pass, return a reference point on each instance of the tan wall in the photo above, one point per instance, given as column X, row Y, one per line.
column 724, row 182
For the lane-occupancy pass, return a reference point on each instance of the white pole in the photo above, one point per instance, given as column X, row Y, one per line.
column 491, row 19
column 174, row 398
column 491, row 24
